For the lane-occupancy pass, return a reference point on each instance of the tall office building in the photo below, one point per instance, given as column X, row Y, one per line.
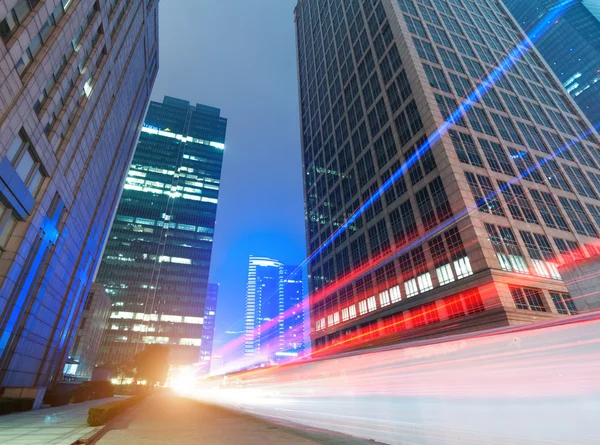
column 274, row 310
column 75, row 82
column 208, row 332
column 157, row 257
column 438, row 252
column 571, row 47
column 86, row 346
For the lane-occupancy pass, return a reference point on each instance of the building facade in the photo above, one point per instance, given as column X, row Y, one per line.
column 86, row 346
column 293, row 306
column 274, row 310
column 437, row 252
column 74, row 86
column 208, row 332
column 571, row 47
column 583, row 282
column 157, row 258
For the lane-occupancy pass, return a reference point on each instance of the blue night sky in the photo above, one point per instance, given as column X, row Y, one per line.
column 240, row 56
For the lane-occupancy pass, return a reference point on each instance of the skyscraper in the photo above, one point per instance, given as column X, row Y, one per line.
column 571, row 47
column 293, row 306
column 75, row 83
column 274, row 310
column 157, row 258
column 437, row 252
column 208, row 331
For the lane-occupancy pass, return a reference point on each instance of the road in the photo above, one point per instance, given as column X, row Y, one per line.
column 166, row 419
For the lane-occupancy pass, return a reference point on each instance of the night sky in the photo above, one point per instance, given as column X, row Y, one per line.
column 240, row 56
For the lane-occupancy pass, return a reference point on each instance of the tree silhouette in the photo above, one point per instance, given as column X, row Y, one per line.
column 152, row 364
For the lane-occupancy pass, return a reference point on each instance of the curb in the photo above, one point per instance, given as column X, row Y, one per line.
column 92, row 436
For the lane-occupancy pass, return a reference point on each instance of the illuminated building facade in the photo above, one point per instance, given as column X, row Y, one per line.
column 274, row 310
column 208, row 332
column 437, row 252
column 156, row 262
column 86, row 345
column 571, row 47
column 75, row 83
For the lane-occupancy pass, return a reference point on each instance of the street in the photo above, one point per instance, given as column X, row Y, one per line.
column 165, row 419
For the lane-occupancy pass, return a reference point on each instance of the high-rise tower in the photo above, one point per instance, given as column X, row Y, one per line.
column 75, row 82
column 437, row 252
column 274, row 310
column 571, row 47
column 157, row 258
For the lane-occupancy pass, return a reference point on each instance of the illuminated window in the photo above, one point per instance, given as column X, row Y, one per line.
column 345, row 314
column 362, row 307
column 336, row 318
column 424, row 281
column 411, row 288
column 395, row 295
column 330, row 320
column 352, row 310
column 122, row 315
column 384, row 298
column 171, row 318
column 444, row 274
column 190, row 341
column 371, row 303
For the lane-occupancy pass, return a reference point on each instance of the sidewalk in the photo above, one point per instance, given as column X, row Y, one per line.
column 61, row 425
column 171, row 420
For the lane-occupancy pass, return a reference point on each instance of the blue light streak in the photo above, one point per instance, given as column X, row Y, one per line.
column 506, row 64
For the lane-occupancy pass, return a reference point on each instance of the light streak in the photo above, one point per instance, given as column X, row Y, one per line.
column 505, row 386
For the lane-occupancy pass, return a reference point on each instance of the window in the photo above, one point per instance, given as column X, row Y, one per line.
column 21, row 156
column 551, row 213
column 581, row 184
column 15, row 18
column 517, row 202
column 541, row 254
column 569, row 250
column 554, row 174
column 525, row 165
column 529, row 299
column 458, row 254
column 7, row 225
column 484, row 194
column 507, row 249
column 384, row 298
column 465, row 148
column 496, row 157
column 395, row 294
column 371, row 304
column 578, row 217
column 564, row 303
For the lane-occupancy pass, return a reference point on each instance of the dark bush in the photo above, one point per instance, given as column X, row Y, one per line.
column 10, row 405
column 99, row 415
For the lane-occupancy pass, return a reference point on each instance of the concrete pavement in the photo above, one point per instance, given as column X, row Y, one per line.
column 165, row 419
column 61, row 425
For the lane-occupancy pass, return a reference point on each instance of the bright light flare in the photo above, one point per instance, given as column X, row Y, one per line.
column 518, row 386
column 184, row 382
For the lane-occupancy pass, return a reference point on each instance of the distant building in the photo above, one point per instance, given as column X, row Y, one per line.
column 88, row 336
column 74, row 85
column 571, row 47
column 157, row 258
column 274, row 312
column 293, row 305
column 208, row 331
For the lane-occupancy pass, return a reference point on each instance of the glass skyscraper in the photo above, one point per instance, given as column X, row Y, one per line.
column 437, row 252
column 157, row 258
column 274, row 310
column 208, row 331
column 75, row 83
column 571, row 47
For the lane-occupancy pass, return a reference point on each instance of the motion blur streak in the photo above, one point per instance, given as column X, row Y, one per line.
column 511, row 386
